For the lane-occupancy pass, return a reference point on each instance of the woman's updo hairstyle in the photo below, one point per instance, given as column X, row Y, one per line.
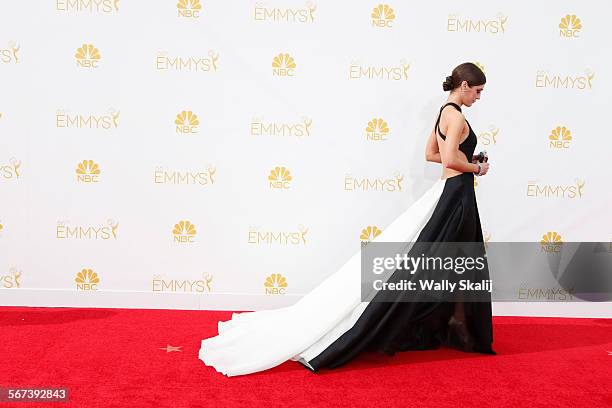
column 465, row 72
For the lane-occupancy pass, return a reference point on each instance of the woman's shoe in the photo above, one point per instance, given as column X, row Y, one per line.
column 458, row 331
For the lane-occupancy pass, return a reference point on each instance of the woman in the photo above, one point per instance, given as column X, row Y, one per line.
column 331, row 325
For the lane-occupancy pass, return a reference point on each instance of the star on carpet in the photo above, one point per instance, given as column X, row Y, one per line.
column 170, row 348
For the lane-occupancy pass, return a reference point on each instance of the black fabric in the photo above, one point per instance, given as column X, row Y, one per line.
column 389, row 327
column 469, row 144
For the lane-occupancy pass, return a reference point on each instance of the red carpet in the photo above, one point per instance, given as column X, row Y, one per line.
column 114, row 358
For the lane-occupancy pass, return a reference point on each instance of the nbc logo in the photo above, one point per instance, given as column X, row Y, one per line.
column 87, row 279
column 275, row 284
column 10, row 171
column 184, row 232
column 560, row 137
column 382, row 16
column 369, row 233
column 377, row 129
column 479, row 65
column 551, row 242
column 88, row 172
column 87, row 56
column 9, row 55
column 279, row 177
column 570, row 26
column 186, row 122
column 189, row 8
column 12, row 280
column 283, row 65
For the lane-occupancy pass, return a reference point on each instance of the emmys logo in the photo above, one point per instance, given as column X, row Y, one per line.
column 194, row 177
column 388, row 73
column 560, row 138
column 289, row 15
column 373, row 184
column 159, row 284
column 87, row 56
column 88, row 172
column 531, row 293
column 186, row 122
column 86, row 232
column 11, row 280
column 189, row 8
column 10, row 55
column 556, row 191
column 369, row 233
column 383, row 16
column 184, row 232
column 570, row 26
column 11, row 170
column 87, row 279
column 66, row 120
column 377, row 130
column 275, row 284
column 91, row 6
column 278, row 237
column 551, row 242
column 581, row 82
column 488, row 137
column 1, row 227
column 299, row 129
column 467, row 25
column 283, row 65
column 163, row 62
column 279, row 178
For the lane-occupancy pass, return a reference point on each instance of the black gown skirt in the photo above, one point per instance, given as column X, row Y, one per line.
column 388, row 327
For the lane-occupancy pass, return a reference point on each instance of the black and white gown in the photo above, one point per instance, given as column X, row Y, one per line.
column 331, row 325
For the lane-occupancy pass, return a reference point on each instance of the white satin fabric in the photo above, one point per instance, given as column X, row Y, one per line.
column 256, row 341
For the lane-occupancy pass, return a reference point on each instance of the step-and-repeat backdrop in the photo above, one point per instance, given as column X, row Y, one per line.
column 233, row 154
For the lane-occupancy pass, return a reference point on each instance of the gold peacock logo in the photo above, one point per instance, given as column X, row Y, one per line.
column 383, row 16
column 87, row 279
column 377, row 129
column 560, row 137
column 551, row 242
column 369, row 233
column 186, row 122
column 279, row 177
column 570, row 26
column 184, row 232
column 479, row 65
column 87, row 56
column 88, row 171
column 275, row 284
column 283, row 65
column 189, row 8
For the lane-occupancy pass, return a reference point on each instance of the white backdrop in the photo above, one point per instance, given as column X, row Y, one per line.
column 342, row 95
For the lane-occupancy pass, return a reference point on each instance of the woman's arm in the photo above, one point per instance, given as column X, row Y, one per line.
column 432, row 152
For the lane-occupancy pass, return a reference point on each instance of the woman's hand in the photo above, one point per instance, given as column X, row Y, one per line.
column 484, row 168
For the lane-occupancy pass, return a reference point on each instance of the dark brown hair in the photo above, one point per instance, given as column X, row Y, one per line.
column 465, row 72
